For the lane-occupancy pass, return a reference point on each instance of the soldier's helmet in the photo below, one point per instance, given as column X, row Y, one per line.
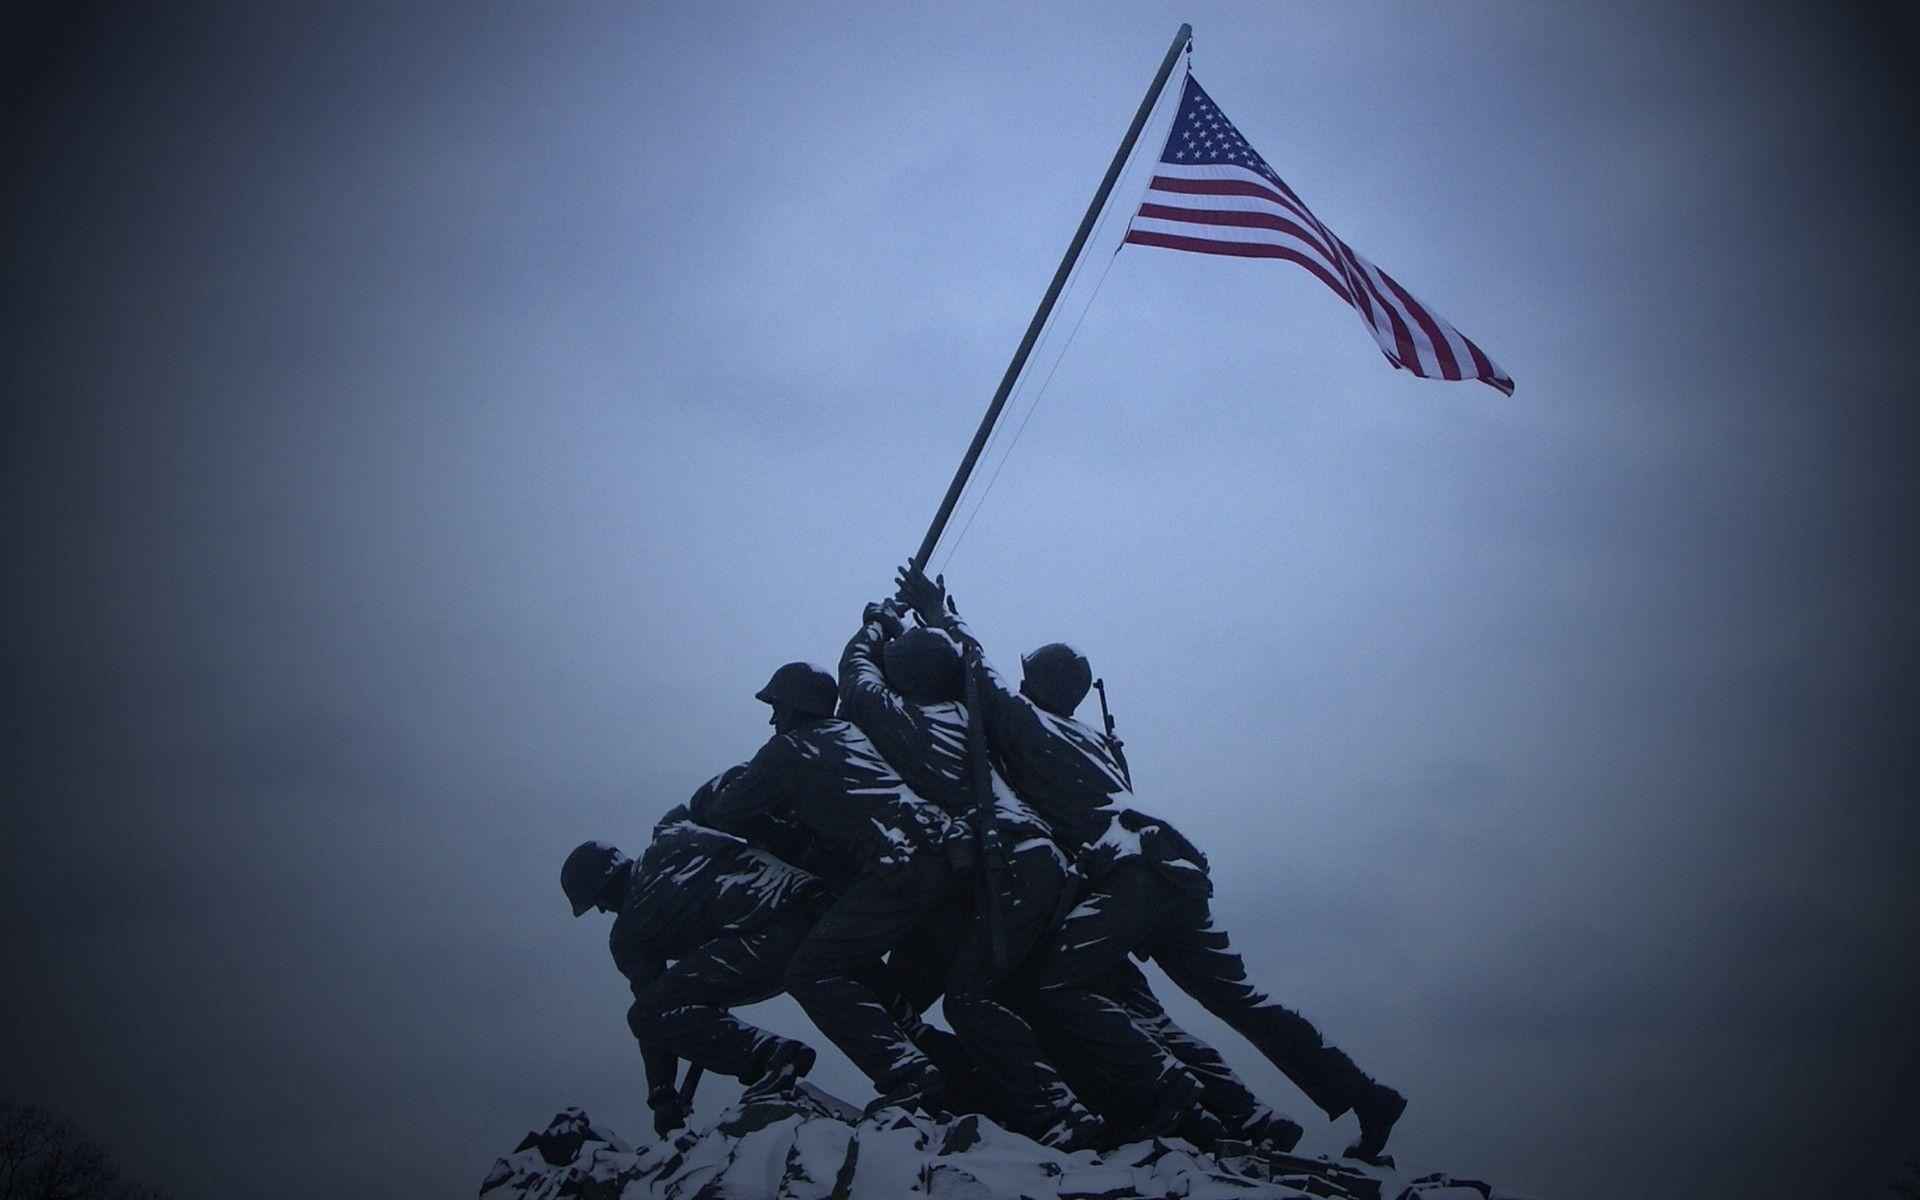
column 1056, row 677
column 587, row 872
column 923, row 664
column 801, row 686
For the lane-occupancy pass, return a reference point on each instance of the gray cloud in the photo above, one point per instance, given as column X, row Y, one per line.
column 428, row 429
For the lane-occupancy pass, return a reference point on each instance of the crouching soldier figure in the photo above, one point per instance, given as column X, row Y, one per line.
column 727, row 917
column 902, row 688
column 1147, row 893
column 824, row 774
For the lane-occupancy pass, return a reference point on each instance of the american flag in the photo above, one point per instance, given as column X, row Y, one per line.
column 1213, row 194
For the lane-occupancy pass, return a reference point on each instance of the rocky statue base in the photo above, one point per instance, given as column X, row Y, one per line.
column 798, row 1148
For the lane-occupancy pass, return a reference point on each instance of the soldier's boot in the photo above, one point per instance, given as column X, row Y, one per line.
column 922, row 1090
column 1378, row 1107
column 1077, row 1129
column 1177, row 1094
column 968, row 1089
column 1272, row 1132
column 784, row 1066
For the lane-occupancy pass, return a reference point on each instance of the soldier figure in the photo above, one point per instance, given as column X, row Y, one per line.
column 1148, row 893
column 824, row 774
column 727, row 916
column 902, row 688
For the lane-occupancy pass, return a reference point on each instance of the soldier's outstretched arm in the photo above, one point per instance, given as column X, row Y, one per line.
column 754, row 790
column 777, row 836
column 862, row 682
column 718, row 783
column 999, row 702
column 790, row 842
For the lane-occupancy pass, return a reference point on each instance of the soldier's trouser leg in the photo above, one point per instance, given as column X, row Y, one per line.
column 998, row 1038
column 1194, row 953
column 1120, row 1110
column 921, row 964
column 1223, row 1093
column 831, row 974
column 914, row 977
column 684, row 1010
column 1096, row 937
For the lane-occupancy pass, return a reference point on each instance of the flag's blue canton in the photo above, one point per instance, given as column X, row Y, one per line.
column 1202, row 136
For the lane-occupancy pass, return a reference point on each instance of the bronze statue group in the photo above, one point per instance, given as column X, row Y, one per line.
column 916, row 829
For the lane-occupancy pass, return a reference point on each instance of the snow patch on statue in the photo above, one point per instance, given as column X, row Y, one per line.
column 796, row 1148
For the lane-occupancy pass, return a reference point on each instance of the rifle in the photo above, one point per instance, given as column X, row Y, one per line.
column 1113, row 743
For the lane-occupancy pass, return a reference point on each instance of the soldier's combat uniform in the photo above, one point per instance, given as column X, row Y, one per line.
column 1147, row 893
column 1153, row 902
column 1224, row 1096
column 727, row 916
column 907, row 708
column 823, row 773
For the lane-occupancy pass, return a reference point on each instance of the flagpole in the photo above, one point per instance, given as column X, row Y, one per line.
column 1180, row 41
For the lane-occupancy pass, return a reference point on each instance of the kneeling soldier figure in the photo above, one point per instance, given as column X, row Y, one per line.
column 727, row 916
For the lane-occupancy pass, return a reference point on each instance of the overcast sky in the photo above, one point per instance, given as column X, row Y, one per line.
column 427, row 430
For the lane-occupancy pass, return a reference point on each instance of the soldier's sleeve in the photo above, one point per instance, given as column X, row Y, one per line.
column 958, row 628
column 787, row 841
column 1007, row 717
column 757, row 788
column 661, row 1066
column 718, row 783
column 1177, row 860
column 862, row 685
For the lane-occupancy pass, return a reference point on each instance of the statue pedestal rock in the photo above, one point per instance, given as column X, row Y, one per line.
column 795, row 1147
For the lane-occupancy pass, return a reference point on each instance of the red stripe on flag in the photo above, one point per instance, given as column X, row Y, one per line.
column 1230, row 187
column 1484, row 369
column 1233, row 217
column 1147, row 237
column 1363, row 287
column 1449, row 366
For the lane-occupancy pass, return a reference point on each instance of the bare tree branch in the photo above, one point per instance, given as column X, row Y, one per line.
column 46, row 1157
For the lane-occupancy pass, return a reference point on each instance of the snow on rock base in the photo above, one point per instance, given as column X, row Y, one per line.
column 792, row 1148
